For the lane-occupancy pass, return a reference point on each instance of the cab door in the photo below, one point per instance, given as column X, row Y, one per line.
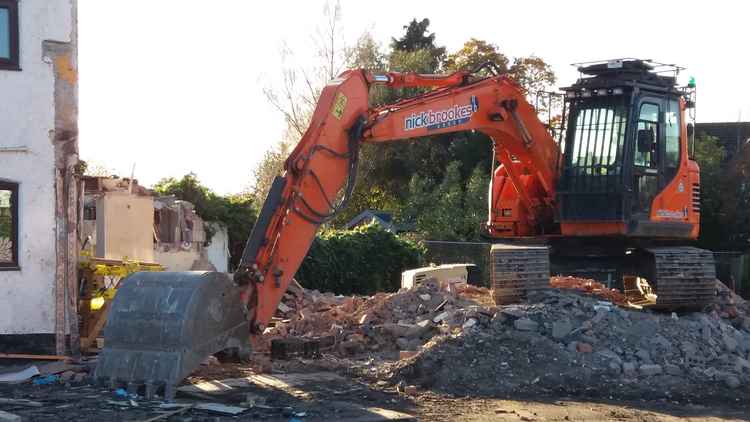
column 646, row 158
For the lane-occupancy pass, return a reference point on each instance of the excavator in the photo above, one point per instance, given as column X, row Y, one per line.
column 618, row 190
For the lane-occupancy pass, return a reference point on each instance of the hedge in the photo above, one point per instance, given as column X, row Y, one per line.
column 364, row 260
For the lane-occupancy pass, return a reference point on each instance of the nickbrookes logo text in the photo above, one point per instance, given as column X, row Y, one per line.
column 440, row 119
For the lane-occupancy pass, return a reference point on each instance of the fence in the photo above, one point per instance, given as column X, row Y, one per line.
column 732, row 269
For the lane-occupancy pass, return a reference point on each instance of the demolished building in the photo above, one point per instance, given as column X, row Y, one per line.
column 125, row 221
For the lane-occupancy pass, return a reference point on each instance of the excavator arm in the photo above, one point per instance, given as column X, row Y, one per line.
column 162, row 325
column 325, row 160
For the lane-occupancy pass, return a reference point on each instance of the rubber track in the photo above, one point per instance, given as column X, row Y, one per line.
column 518, row 270
column 685, row 277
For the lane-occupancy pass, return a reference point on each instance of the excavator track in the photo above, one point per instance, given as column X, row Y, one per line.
column 162, row 325
column 677, row 277
column 518, row 270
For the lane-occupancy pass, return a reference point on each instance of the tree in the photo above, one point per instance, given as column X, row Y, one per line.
column 735, row 200
column 237, row 212
column 475, row 203
column 709, row 154
column 366, row 54
column 270, row 166
column 95, row 168
column 298, row 94
column 416, row 38
column 474, row 53
column 533, row 74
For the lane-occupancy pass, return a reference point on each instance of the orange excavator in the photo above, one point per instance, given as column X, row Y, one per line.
column 618, row 195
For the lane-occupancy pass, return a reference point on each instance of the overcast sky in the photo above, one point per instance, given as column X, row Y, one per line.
column 176, row 85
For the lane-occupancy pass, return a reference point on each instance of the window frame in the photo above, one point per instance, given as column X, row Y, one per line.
column 13, row 188
column 669, row 102
column 582, row 173
column 655, row 153
column 14, row 62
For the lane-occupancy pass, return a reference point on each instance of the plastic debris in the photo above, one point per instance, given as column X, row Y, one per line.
column 20, row 376
column 49, row 379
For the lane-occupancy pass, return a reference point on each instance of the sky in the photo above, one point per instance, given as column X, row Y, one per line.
column 173, row 86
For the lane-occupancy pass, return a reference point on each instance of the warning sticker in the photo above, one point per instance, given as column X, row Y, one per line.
column 338, row 106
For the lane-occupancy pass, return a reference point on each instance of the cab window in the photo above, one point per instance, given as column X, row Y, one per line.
column 648, row 122
column 672, row 140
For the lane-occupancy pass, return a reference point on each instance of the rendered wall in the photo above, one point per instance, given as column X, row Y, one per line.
column 38, row 137
column 124, row 227
column 218, row 249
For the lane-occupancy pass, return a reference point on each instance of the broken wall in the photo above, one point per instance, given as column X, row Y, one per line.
column 218, row 249
column 38, row 150
column 124, row 226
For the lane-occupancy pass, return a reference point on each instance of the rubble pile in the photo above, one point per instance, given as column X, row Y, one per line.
column 590, row 286
column 404, row 320
column 568, row 341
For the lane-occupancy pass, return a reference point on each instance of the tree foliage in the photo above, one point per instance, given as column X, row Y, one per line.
column 725, row 195
column 415, row 39
column 438, row 182
column 532, row 73
column 453, row 208
column 237, row 212
column 269, row 167
column 474, row 53
column 365, row 260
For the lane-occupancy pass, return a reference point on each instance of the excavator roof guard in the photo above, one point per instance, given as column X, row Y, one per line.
column 625, row 74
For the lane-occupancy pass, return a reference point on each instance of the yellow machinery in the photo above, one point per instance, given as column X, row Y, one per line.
column 99, row 279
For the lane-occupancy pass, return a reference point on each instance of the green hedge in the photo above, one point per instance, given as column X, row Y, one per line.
column 364, row 260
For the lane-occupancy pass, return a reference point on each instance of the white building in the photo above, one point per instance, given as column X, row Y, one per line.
column 38, row 182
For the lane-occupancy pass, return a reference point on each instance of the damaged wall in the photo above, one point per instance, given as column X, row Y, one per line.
column 38, row 150
column 124, row 227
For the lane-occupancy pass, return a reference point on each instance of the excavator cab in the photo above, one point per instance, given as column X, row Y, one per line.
column 626, row 170
column 628, row 176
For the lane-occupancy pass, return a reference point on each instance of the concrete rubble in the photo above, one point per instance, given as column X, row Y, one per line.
column 402, row 321
column 579, row 337
column 564, row 341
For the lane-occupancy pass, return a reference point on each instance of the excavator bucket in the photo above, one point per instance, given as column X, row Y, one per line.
column 162, row 325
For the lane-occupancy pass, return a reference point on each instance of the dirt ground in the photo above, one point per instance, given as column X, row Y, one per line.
column 299, row 393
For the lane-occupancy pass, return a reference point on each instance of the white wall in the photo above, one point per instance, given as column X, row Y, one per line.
column 218, row 250
column 26, row 119
column 125, row 226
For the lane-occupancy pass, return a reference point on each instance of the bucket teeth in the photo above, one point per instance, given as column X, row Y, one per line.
column 161, row 326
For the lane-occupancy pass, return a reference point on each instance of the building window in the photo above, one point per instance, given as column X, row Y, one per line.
column 8, row 226
column 9, row 35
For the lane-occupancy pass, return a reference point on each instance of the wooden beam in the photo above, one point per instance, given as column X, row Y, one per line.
column 71, row 263
column 61, row 241
column 36, row 357
column 94, row 331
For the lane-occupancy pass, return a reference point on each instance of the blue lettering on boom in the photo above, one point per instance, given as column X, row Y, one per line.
column 441, row 119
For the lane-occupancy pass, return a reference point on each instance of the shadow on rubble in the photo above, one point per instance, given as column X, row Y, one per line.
column 314, row 396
